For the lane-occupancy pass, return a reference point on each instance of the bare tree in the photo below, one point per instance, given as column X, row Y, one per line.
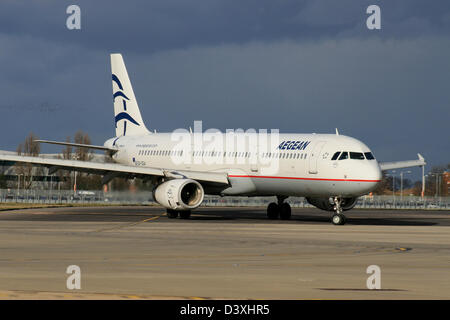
column 67, row 151
column 82, row 154
column 29, row 148
column 65, row 176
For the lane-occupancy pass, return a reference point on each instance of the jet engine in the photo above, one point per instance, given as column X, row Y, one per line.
column 327, row 204
column 179, row 194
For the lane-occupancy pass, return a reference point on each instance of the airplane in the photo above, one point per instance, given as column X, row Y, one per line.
column 330, row 170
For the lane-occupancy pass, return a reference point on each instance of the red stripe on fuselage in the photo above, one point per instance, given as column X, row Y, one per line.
column 297, row 178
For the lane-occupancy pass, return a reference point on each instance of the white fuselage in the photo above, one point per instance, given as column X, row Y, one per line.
column 285, row 164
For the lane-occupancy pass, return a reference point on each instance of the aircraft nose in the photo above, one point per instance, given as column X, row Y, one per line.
column 376, row 172
column 374, row 176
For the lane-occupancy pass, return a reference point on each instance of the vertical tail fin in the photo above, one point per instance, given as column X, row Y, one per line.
column 128, row 118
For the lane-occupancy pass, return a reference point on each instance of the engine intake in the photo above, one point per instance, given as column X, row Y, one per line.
column 179, row 194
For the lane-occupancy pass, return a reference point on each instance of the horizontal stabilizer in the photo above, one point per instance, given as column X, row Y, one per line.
column 403, row 164
column 77, row 145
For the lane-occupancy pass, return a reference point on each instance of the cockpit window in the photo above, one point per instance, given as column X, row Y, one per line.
column 369, row 155
column 356, row 155
column 336, row 155
column 344, row 155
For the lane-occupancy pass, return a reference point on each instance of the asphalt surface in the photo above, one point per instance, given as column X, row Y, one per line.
column 137, row 252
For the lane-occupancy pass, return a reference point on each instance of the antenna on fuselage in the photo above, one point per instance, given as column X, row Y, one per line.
column 337, row 132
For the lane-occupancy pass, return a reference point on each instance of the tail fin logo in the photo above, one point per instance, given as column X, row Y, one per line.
column 124, row 114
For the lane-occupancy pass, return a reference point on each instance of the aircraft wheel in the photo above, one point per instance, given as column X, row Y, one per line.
column 285, row 211
column 273, row 211
column 172, row 214
column 185, row 214
column 338, row 219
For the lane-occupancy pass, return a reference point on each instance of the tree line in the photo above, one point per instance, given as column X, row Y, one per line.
column 67, row 178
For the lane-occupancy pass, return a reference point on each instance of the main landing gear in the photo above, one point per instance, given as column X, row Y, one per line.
column 280, row 210
column 173, row 214
column 338, row 218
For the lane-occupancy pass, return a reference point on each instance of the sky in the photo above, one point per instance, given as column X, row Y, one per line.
column 297, row 66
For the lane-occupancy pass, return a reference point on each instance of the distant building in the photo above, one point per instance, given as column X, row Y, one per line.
column 8, row 171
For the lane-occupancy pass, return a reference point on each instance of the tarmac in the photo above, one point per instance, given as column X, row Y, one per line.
column 136, row 252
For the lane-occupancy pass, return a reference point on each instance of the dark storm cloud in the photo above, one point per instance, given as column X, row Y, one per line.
column 150, row 26
column 299, row 66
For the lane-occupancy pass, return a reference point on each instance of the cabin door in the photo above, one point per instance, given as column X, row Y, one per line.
column 315, row 156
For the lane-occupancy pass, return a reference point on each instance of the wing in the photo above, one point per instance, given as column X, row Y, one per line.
column 403, row 164
column 112, row 170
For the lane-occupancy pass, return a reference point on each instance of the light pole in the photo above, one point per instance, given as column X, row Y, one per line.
column 436, row 194
column 393, row 186
column 423, row 182
column 75, row 183
column 75, row 157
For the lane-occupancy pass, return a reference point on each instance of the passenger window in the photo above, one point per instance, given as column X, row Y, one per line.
column 356, row 155
column 369, row 156
column 336, row 155
column 343, row 156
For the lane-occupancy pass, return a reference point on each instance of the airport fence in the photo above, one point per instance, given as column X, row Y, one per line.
column 145, row 198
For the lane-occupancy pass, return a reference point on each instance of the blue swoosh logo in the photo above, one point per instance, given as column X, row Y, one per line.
column 126, row 116
column 120, row 94
column 116, row 80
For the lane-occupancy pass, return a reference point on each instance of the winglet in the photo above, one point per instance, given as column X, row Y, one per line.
column 421, row 158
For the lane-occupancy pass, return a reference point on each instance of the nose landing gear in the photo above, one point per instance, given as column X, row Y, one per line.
column 338, row 218
column 280, row 209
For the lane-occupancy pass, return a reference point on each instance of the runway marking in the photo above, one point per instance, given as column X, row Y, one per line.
column 128, row 224
column 403, row 249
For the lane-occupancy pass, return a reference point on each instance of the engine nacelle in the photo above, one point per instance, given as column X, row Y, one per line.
column 179, row 194
column 328, row 205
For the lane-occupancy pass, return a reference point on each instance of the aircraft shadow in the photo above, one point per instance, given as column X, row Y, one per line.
column 230, row 215
column 304, row 218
